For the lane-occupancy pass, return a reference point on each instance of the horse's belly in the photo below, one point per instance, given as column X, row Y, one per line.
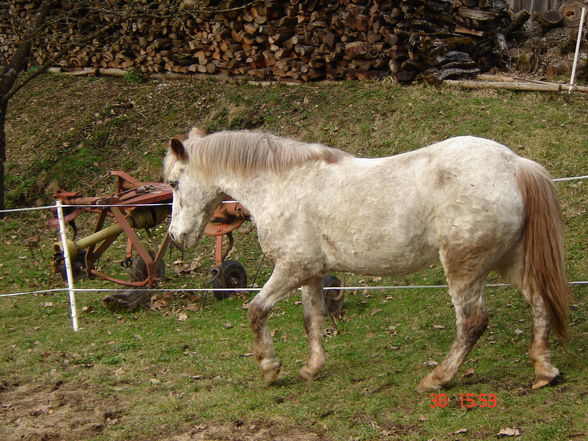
column 378, row 257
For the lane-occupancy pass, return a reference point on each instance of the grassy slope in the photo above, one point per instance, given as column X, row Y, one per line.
column 68, row 132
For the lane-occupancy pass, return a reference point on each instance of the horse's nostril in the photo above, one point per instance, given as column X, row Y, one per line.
column 175, row 240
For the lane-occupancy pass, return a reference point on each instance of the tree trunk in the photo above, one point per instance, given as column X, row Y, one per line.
column 3, row 110
column 10, row 73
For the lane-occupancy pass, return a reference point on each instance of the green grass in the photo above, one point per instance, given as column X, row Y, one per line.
column 151, row 375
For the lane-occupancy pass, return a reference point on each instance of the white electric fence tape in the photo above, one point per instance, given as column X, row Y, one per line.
column 72, row 290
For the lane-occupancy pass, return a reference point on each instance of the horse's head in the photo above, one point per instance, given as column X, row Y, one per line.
column 194, row 198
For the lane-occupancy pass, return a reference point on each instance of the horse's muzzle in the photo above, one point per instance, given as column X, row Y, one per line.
column 177, row 241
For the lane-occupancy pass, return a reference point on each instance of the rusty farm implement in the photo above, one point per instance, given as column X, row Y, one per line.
column 140, row 206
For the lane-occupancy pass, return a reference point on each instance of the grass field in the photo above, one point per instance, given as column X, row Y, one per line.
column 183, row 370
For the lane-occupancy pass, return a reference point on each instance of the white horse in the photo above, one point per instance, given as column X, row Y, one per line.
column 469, row 202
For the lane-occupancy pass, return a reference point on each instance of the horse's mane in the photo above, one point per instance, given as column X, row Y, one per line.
column 249, row 152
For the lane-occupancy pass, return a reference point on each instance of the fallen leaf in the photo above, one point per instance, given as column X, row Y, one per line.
column 375, row 311
column 228, row 326
column 507, row 431
column 182, row 317
column 430, row 363
column 187, row 268
column 438, row 327
column 158, row 304
column 48, row 304
column 154, row 381
column 422, row 418
column 469, row 372
column 518, row 332
column 457, row 432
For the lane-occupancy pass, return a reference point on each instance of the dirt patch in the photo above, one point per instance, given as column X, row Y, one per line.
column 36, row 411
column 243, row 431
column 43, row 412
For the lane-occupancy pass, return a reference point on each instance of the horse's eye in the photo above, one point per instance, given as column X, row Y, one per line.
column 173, row 184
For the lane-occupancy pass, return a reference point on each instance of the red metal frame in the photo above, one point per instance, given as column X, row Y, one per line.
column 131, row 194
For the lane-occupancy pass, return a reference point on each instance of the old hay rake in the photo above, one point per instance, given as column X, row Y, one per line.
column 136, row 206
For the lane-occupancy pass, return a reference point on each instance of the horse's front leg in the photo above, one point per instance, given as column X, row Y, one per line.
column 279, row 285
column 314, row 315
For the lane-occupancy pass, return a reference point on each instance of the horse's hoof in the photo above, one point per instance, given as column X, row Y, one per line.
column 270, row 370
column 307, row 374
column 428, row 385
column 545, row 376
column 543, row 380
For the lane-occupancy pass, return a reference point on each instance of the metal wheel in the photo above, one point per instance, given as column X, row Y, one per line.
column 231, row 274
column 334, row 298
column 138, row 268
column 78, row 266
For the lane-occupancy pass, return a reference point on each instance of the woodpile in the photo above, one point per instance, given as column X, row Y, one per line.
column 567, row 15
column 549, row 50
column 294, row 40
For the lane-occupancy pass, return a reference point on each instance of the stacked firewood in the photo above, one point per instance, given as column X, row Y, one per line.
column 300, row 40
column 547, row 47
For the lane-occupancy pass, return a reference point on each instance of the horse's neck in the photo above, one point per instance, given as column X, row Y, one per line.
column 253, row 192
column 257, row 192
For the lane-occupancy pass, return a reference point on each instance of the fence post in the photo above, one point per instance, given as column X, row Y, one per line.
column 576, row 53
column 68, row 271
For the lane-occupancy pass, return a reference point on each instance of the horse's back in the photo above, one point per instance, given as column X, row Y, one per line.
column 401, row 210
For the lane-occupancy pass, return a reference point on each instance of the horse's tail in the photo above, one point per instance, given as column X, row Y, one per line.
column 543, row 264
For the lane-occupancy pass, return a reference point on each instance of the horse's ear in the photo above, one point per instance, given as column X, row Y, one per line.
column 196, row 132
column 179, row 150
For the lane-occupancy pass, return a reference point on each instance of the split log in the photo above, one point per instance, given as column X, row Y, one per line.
column 549, row 19
column 524, row 59
column 571, row 12
column 517, row 22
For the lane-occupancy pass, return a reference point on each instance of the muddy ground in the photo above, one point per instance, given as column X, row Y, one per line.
column 63, row 412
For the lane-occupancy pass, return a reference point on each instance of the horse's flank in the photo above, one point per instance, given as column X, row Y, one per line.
column 247, row 153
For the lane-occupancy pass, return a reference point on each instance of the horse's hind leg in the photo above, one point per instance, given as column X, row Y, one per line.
column 539, row 352
column 314, row 314
column 472, row 320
